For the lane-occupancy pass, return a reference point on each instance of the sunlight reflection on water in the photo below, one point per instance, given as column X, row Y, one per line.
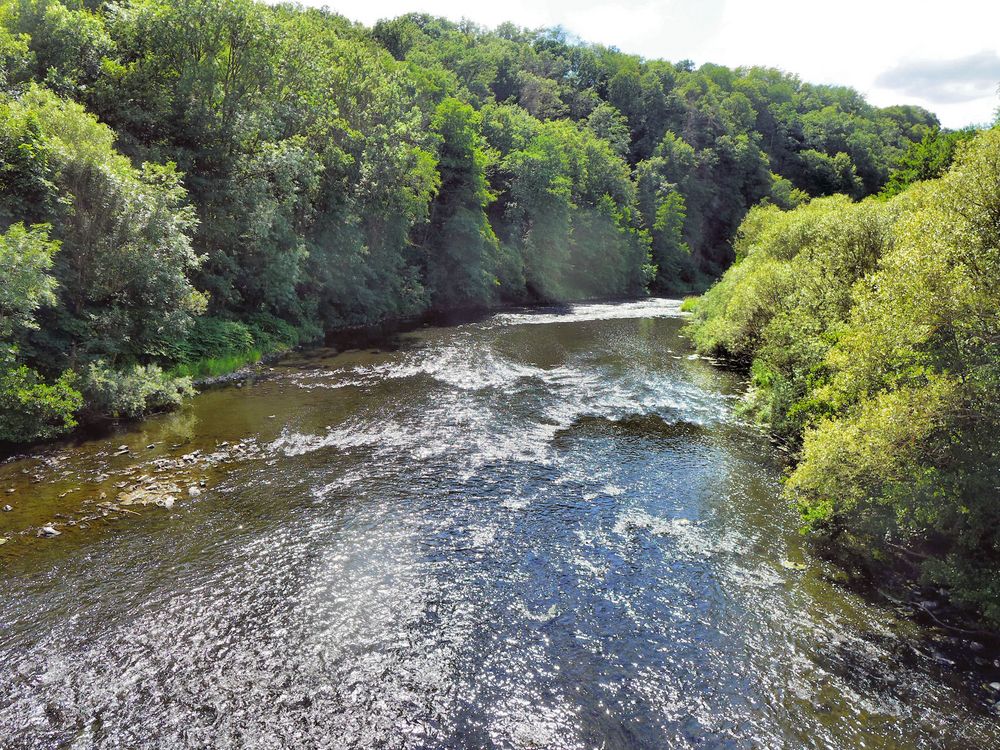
column 545, row 529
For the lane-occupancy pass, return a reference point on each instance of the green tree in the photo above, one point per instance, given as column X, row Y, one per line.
column 670, row 252
column 925, row 159
column 25, row 284
column 30, row 408
column 120, row 289
column 873, row 333
column 461, row 249
column 608, row 123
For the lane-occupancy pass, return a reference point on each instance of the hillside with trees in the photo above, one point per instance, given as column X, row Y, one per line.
column 187, row 185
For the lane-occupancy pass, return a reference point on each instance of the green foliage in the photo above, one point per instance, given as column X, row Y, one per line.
column 68, row 45
column 537, row 215
column 211, row 367
column 289, row 172
column 30, row 408
column 125, row 254
column 874, row 335
column 569, row 213
column 131, row 392
column 742, row 124
column 217, row 346
column 105, row 278
column 16, row 58
column 925, row 159
column 608, row 124
column 26, row 192
column 461, row 247
column 671, row 253
column 784, row 194
column 25, row 282
column 215, row 337
column 830, row 174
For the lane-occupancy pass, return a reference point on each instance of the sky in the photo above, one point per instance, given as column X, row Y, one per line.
column 942, row 56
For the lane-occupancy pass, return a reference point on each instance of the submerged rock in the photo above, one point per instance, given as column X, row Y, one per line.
column 789, row 565
column 149, row 492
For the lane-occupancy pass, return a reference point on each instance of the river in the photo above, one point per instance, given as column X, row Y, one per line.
column 545, row 529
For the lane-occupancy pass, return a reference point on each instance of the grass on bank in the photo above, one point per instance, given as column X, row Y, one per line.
column 212, row 367
column 218, row 346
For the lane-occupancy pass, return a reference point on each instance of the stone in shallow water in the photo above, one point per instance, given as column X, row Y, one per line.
column 48, row 531
column 789, row 565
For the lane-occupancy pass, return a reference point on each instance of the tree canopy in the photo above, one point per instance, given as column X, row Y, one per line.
column 873, row 334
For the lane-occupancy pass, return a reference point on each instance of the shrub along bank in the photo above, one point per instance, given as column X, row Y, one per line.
column 872, row 335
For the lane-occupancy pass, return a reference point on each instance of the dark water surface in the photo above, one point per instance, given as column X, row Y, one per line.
column 542, row 530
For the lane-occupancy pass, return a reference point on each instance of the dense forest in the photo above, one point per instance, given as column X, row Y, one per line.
column 872, row 331
column 186, row 185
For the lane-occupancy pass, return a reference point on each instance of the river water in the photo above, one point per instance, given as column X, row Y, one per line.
column 540, row 530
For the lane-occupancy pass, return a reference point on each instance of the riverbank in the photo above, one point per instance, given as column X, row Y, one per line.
column 234, row 367
column 161, row 471
column 870, row 333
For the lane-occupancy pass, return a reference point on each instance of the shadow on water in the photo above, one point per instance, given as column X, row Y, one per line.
column 637, row 426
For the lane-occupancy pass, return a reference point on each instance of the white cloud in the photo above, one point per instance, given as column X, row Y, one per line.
column 960, row 80
column 851, row 42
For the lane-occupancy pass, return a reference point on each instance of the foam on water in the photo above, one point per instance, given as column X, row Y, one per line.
column 651, row 308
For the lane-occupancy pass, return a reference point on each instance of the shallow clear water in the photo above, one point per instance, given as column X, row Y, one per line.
column 538, row 530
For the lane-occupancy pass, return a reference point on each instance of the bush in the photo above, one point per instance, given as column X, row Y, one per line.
column 271, row 334
column 216, row 346
column 133, row 392
column 783, row 305
column 31, row 409
column 873, row 330
column 215, row 337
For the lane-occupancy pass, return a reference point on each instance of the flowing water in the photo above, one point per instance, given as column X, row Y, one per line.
column 540, row 530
